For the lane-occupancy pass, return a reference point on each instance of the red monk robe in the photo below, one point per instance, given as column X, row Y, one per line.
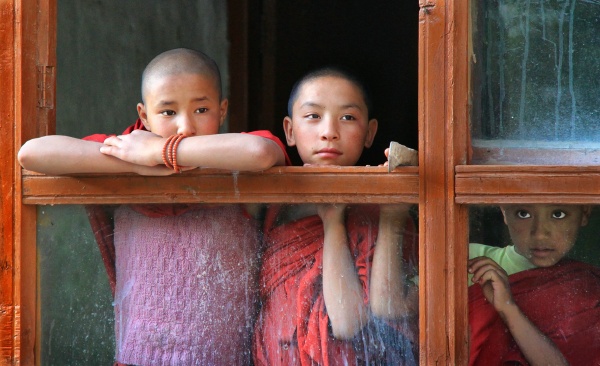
column 563, row 301
column 293, row 325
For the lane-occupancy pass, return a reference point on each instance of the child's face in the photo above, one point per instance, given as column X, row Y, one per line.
column 329, row 123
column 544, row 234
column 186, row 104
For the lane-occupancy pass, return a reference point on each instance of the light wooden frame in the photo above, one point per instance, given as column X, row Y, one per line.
column 443, row 185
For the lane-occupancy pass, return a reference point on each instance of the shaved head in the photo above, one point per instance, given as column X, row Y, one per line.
column 180, row 61
column 328, row 72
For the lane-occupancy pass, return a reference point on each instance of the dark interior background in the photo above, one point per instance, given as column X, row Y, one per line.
column 376, row 41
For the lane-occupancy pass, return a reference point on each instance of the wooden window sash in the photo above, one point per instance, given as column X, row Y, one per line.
column 443, row 185
column 276, row 185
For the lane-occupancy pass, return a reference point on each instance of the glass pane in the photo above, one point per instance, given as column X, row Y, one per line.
column 77, row 319
column 103, row 47
column 543, row 260
column 535, row 81
column 203, row 284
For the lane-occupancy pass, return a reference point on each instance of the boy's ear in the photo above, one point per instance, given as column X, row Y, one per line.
column 503, row 209
column 223, row 110
column 289, row 132
column 371, row 131
column 585, row 217
column 141, row 109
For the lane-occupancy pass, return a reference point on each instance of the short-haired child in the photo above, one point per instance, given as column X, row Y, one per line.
column 185, row 274
column 528, row 304
column 314, row 277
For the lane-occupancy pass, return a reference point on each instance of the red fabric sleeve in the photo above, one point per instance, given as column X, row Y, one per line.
column 268, row 135
column 100, row 137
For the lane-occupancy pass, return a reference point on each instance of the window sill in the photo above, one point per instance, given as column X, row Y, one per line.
column 275, row 185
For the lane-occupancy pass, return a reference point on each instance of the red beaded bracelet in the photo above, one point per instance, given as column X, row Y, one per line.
column 176, row 167
column 169, row 152
column 165, row 152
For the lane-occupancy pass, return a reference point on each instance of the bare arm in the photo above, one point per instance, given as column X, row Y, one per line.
column 536, row 347
column 231, row 151
column 342, row 289
column 58, row 155
column 391, row 296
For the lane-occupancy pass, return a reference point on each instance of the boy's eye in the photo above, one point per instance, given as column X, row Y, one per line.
column 558, row 215
column 522, row 214
column 202, row 110
column 168, row 113
column 348, row 117
column 312, row 116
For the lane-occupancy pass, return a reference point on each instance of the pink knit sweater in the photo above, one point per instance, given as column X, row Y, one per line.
column 186, row 287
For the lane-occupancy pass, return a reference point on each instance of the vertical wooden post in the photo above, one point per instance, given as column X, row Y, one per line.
column 27, row 69
column 443, row 131
column 7, row 177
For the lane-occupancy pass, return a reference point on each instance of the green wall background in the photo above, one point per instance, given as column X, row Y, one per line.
column 103, row 47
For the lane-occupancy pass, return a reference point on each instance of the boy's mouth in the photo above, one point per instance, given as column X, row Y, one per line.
column 541, row 252
column 329, row 153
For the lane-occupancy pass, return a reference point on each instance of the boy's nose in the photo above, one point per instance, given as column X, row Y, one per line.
column 329, row 131
column 185, row 126
column 540, row 229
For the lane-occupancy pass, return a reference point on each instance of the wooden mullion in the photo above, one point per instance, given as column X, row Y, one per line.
column 8, row 341
column 443, row 144
column 27, row 55
column 434, row 342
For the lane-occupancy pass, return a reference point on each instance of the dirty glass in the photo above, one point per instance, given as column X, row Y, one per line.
column 536, row 80
column 102, row 47
column 77, row 322
column 215, row 275
column 528, row 241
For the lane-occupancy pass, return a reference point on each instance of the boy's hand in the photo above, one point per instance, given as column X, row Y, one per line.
column 139, row 147
column 494, row 282
column 386, row 152
column 330, row 212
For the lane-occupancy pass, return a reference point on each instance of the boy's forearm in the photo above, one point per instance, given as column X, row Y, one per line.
column 342, row 289
column 59, row 155
column 389, row 295
column 231, row 151
column 537, row 348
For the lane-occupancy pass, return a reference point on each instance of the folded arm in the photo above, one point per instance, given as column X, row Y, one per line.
column 231, row 151
column 391, row 295
column 60, row 155
column 141, row 152
column 537, row 348
column 342, row 289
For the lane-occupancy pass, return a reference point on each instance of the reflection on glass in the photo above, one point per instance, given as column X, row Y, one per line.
column 534, row 298
column 315, row 286
column 205, row 284
column 535, row 74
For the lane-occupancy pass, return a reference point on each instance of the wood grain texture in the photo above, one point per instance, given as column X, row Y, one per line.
column 496, row 184
column 281, row 184
column 443, row 143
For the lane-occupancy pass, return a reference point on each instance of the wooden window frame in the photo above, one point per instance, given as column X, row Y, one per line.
column 443, row 185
